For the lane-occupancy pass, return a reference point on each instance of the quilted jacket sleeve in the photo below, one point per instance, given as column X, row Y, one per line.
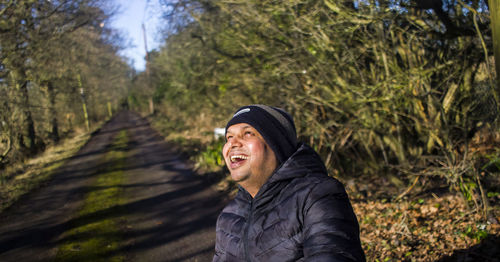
column 217, row 257
column 331, row 230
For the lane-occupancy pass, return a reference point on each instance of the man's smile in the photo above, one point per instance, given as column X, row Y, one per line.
column 238, row 158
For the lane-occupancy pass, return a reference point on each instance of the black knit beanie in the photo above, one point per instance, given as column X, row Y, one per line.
column 274, row 124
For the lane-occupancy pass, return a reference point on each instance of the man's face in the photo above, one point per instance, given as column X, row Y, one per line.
column 249, row 159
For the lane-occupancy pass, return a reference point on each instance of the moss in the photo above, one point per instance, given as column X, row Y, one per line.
column 95, row 234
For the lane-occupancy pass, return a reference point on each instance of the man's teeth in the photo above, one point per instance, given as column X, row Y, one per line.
column 233, row 158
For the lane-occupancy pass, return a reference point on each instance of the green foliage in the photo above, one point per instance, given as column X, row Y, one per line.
column 467, row 187
column 160, row 92
column 494, row 160
column 479, row 233
column 493, row 194
column 210, row 158
column 377, row 87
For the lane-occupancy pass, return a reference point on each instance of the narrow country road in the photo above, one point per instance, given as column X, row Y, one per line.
column 169, row 213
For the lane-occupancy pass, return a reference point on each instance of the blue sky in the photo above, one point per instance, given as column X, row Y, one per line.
column 132, row 14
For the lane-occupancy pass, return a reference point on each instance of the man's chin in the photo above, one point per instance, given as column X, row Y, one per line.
column 238, row 177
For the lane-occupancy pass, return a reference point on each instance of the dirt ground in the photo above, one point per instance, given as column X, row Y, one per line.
column 169, row 214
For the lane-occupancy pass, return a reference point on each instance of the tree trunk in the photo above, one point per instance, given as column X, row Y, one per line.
column 54, row 133
column 151, row 106
column 28, row 124
column 84, row 103
column 495, row 28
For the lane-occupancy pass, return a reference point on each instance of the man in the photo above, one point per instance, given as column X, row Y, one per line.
column 287, row 207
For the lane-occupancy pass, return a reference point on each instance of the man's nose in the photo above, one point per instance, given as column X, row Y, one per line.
column 235, row 142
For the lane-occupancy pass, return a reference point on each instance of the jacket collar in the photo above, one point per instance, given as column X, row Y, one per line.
column 305, row 160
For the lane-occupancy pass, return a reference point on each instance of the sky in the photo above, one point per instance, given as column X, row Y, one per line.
column 132, row 14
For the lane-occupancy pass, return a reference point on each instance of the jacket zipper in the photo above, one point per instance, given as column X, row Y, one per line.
column 247, row 229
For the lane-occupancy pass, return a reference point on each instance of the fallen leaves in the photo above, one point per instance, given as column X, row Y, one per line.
column 422, row 230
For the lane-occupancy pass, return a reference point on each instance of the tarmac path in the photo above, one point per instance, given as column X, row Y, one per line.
column 169, row 214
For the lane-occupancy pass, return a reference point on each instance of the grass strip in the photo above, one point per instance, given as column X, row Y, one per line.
column 96, row 236
column 22, row 178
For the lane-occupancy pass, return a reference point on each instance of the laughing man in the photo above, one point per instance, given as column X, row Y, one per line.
column 287, row 207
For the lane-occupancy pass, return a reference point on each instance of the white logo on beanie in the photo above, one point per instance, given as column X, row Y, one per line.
column 244, row 110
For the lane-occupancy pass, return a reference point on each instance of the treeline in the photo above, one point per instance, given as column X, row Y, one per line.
column 59, row 71
column 400, row 88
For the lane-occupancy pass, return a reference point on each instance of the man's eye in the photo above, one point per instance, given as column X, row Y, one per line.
column 248, row 133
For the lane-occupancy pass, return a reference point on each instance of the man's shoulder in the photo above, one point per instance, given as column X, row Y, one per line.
column 319, row 181
column 310, row 186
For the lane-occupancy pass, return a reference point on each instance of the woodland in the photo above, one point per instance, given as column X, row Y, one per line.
column 60, row 71
column 399, row 97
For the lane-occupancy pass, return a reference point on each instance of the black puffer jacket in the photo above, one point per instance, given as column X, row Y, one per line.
column 300, row 214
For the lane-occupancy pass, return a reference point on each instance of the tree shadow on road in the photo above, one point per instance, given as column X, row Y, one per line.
column 181, row 219
column 173, row 214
